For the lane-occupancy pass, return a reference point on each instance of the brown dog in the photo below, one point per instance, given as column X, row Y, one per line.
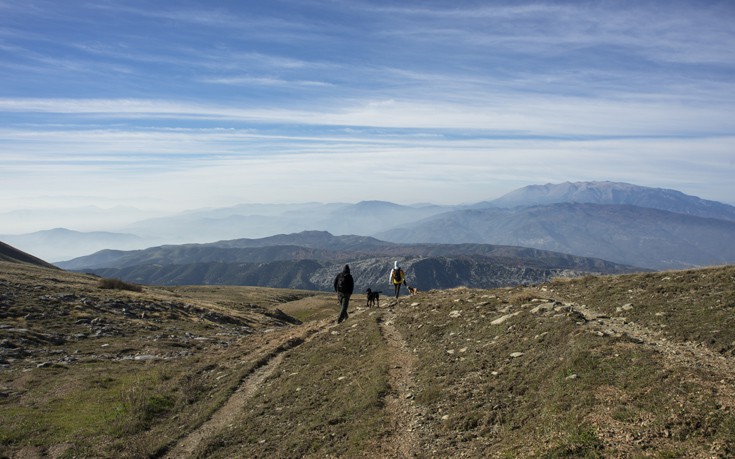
column 412, row 291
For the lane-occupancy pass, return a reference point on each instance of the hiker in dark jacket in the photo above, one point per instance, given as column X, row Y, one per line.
column 343, row 285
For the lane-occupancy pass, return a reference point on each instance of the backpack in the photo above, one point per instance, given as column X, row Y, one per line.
column 345, row 283
column 398, row 276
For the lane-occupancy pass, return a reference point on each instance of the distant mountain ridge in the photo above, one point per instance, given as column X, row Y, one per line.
column 633, row 225
column 613, row 193
column 61, row 244
column 311, row 259
column 639, row 236
column 259, row 221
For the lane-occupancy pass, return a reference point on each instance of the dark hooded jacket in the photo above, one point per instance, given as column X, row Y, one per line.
column 343, row 283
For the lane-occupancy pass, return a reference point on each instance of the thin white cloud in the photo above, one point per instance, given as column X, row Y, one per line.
column 264, row 81
column 680, row 32
column 538, row 115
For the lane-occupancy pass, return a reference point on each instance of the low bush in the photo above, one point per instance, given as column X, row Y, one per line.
column 117, row 284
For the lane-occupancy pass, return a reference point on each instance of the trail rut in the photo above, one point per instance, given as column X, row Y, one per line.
column 403, row 416
column 271, row 357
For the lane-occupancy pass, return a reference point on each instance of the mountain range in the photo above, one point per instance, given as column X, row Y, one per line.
column 612, row 193
column 632, row 235
column 650, row 228
column 310, row 260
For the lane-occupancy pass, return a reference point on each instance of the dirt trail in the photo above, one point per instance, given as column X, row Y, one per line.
column 223, row 417
column 271, row 356
column 402, row 413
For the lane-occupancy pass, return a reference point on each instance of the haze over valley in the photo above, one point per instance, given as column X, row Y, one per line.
column 626, row 224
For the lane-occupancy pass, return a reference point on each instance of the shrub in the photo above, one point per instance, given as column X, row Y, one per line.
column 117, row 284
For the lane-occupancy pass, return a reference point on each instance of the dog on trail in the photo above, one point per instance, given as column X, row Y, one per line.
column 373, row 298
column 412, row 291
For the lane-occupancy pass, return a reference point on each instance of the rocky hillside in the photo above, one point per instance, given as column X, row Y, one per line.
column 629, row 366
column 311, row 259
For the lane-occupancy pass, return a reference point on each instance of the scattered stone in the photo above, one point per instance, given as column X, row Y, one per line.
column 455, row 314
column 516, row 354
column 502, row 319
column 572, row 376
column 542, row 308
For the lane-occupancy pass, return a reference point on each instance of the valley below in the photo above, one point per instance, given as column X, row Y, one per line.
column 626, row 365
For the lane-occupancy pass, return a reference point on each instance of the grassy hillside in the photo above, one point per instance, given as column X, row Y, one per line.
column 10, row 254
column 603, row 366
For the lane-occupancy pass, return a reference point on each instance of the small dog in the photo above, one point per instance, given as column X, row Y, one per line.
column 412, row 291
column 373, row 298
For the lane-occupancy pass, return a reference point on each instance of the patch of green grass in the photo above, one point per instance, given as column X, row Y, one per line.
column 73, row 409
column 580, row 443
column 107, row 409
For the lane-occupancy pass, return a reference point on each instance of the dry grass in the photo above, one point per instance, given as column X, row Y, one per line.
column 621, row 366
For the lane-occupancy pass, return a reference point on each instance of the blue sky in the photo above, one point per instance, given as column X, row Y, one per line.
column 169, row 106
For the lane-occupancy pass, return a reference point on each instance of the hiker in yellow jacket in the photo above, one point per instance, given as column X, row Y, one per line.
column 397, row 278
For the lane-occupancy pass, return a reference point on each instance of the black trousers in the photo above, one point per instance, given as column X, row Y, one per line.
column 398, row 289
column 344, row 301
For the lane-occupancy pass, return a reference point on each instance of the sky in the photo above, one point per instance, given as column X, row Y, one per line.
column 165, row 106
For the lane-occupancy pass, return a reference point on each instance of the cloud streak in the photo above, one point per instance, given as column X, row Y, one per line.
column 197, row 106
